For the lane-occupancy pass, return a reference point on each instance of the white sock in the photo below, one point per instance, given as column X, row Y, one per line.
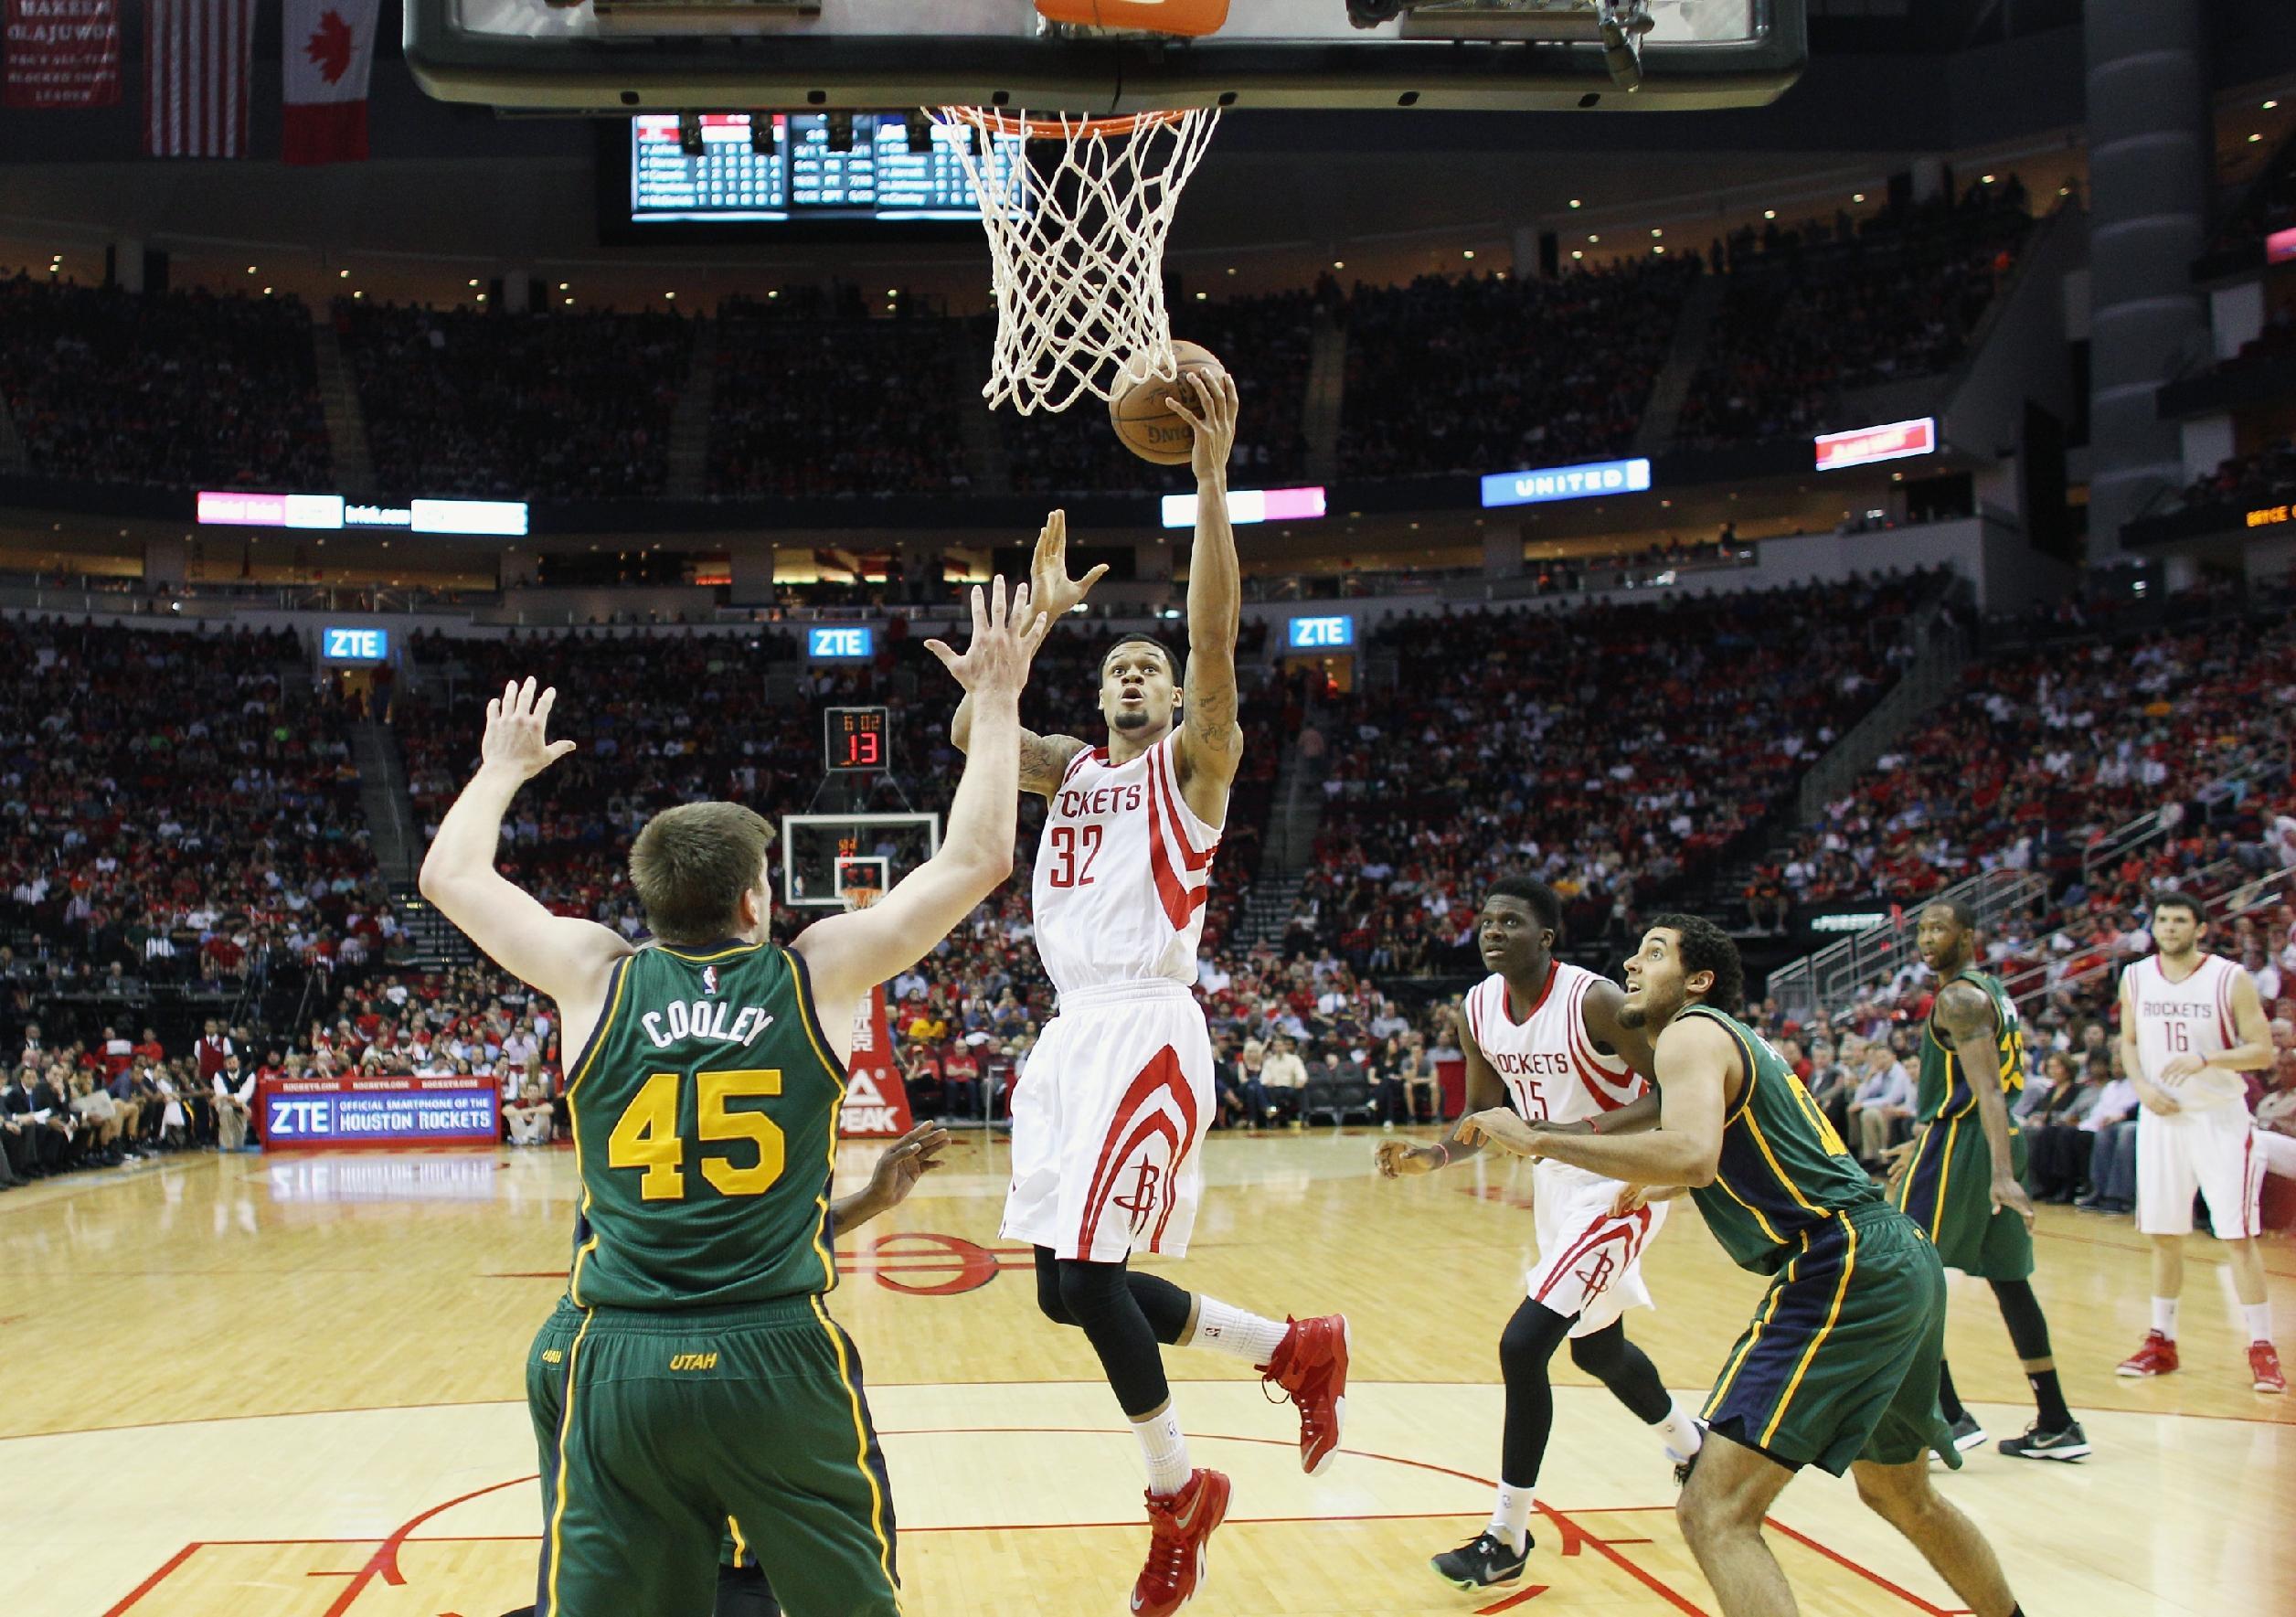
column 1165, row 1449
column 1511, row 1520
column 1227, row 1329
column 1679, row 1432
column 2164, row 1316
column 2260, row 1318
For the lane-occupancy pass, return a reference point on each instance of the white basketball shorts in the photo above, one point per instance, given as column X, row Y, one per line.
column 2211, row 1152
column 1590, row 1262
column 1108, row 1125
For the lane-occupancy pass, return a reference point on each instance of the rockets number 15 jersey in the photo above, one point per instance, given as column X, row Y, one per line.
column 1122, row 873
column 1551, row 1069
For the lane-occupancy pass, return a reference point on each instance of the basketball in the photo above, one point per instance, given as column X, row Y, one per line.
column 1145, row 425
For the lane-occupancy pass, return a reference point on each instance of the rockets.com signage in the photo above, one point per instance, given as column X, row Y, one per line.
column 1897, row 441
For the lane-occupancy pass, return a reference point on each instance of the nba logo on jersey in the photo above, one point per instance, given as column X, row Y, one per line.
column 709, row 979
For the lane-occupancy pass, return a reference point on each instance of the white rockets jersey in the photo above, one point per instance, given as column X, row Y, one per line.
column 2190, row 1017
column 1551, row 1069
column 1122, row 873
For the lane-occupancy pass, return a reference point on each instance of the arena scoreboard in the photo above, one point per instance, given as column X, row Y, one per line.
column 780, row 168
column 856, row 741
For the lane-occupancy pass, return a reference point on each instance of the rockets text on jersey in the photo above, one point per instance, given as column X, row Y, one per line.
column 1551, row 1069
column 1123, row 870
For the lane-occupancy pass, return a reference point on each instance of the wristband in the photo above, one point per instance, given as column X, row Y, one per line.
column 1444, row 1151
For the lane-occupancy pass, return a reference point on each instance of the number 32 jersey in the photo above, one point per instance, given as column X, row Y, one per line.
column 1123, row 871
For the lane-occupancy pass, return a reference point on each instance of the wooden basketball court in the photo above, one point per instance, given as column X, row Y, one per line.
column 291, row 1387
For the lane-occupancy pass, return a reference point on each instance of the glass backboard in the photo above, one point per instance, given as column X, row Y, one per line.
column 822, row 856
column 728, row 55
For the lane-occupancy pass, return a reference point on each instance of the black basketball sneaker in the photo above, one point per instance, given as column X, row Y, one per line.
column 1482, row 1561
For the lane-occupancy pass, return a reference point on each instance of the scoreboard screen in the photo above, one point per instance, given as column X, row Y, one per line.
column 856, row 741
column 778, row 168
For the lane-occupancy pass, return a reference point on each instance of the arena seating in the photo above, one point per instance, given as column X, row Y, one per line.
column 544, row 406
column 182, row 388
column 1815, row 312
column 2046, row 750
column 811, row 403
column 2268, row 476
column 1658, row 735
column 1487, row 372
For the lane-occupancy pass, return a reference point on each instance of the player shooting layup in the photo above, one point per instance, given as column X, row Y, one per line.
column 1839, row 1368
column 1109, row 1118
column 2190, row 1024
column 691, row 1384
column 1544, row 1036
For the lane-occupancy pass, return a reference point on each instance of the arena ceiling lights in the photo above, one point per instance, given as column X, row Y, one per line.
column 490, row 518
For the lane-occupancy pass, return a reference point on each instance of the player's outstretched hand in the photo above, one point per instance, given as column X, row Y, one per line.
column 905, row 1161
column 2007, row 1193
column 515, row 723
column 1053, row 593
column 1502, row 1127
column 1894, row 1160
column 1400, row 1159
column 1005, row 635
column 1213, row 417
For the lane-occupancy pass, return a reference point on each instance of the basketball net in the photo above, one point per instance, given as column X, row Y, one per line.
column 861, row 898
column 1078, row 251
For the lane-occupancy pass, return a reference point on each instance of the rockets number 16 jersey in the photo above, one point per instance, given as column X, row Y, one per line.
column 1551, row 1069
column 1122, row 873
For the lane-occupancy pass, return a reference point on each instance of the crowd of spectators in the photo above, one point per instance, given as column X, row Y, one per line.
column 184, row 388
column 1816, row 311
column 2263, row 478
column 813, row 404
column 519, row 406
column 1482, row 373
column 1606, row 768
column 176, row 808
column 2047, row 749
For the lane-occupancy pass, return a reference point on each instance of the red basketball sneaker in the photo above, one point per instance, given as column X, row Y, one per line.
column 1311, row 1365
column 2156, row 1357
column 2264, row 1368
column 1179, row 1526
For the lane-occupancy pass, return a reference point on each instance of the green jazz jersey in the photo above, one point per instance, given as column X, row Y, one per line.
column 1783, row 1171
column 705, row 1112
column 1945, row 1091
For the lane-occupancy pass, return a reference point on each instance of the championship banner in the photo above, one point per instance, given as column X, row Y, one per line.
column 59, row 54
column 876, row 1100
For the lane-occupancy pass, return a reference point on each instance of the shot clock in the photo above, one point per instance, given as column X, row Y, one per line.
column 856, row 741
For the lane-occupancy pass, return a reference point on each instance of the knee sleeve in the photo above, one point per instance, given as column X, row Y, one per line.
column 1529, row 1341
column 1166, row 1306
column 2020, row 1312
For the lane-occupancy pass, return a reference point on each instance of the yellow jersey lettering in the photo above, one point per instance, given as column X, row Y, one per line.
column 551, row 1355
column 694, row 1361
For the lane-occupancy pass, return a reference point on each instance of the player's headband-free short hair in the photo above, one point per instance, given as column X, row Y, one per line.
column 1545, row 901
column 691, row 864
column 1961, row 914
column 1178, row 664
column 1705, row 947
column 2174, row 899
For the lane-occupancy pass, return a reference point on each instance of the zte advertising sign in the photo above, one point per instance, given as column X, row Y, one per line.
column 844, row 643
column 1323, row 634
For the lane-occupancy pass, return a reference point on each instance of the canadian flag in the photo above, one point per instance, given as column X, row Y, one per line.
column 329, row 51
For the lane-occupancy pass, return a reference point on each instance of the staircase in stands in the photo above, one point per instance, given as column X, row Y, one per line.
column 339, row 402
column 689, row 423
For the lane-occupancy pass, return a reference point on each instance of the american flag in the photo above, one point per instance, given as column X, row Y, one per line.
column 196, row 58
